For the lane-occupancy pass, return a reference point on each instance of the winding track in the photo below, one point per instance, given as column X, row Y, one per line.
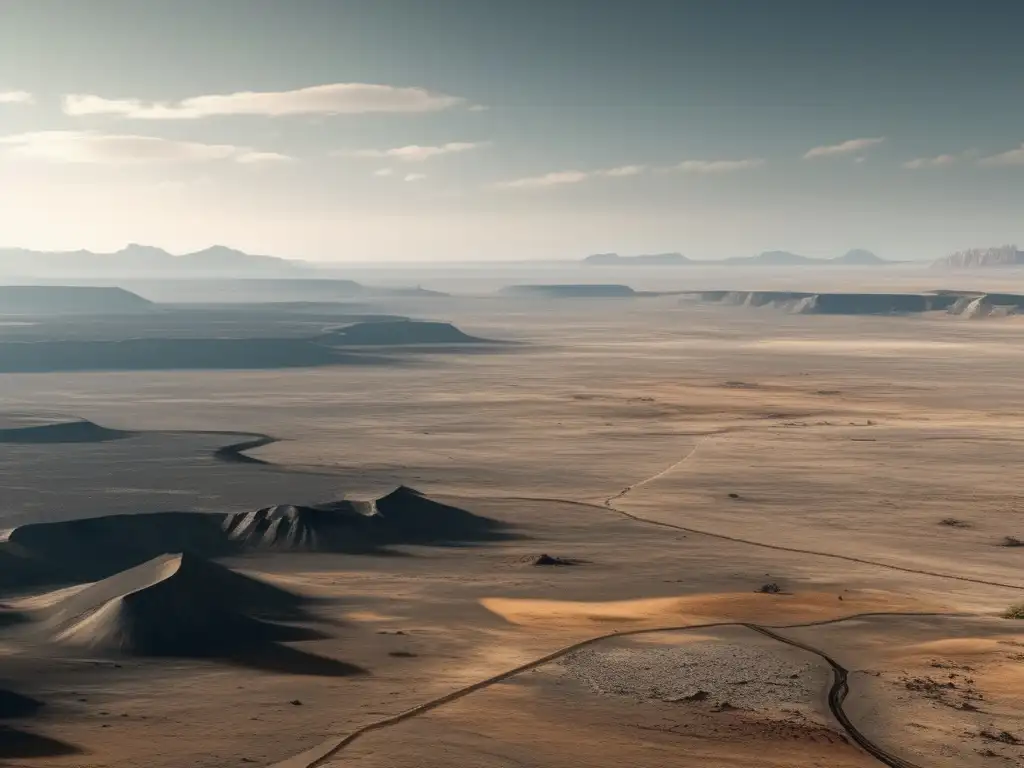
column 319, row 756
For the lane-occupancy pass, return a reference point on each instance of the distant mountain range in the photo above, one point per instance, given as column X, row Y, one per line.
column 982, row 258
column 146, row 261
column 857, row 257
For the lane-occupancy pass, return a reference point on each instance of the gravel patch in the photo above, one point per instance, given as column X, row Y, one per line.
column 727, row 675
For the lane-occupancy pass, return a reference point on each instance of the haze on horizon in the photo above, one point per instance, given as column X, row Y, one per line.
column 479, row 130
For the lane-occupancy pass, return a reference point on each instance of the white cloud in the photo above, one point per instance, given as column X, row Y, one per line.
column 843, row 148
column 384, row 172
column 479, row 108
column 16, row 97
column 414, row 153
column 719, row 166
column 1010, row 158
column 332, row 99
column 254, row 157
column 554, row 179
column 938, row 161
column 624, row 170
column 98, row 148
column 415, row 176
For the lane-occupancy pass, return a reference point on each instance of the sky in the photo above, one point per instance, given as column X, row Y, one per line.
column 403, row 130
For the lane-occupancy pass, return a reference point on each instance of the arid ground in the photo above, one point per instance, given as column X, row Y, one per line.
column 772, row 540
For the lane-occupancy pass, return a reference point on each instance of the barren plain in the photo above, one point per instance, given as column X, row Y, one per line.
column 771, row 539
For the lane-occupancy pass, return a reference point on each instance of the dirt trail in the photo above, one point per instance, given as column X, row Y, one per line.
column 837, row 693
column 610, row 501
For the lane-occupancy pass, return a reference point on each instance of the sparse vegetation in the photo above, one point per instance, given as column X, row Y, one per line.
column 953, row 522
column 770, row 589
column 1012, row 541
column 1014, row 612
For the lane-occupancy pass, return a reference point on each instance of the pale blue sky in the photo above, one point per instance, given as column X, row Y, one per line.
column 537, row 129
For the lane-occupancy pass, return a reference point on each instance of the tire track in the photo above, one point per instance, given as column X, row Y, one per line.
column 318, row 756
column 609, row 502
column 760, row 544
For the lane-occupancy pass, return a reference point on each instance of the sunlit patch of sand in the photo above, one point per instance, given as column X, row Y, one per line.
column 701, row 609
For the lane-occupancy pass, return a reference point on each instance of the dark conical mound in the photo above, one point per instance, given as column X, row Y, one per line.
column 94, row 548
column 397, row 333
column 14, row 705
column 406, row 515
column 341, row 526
column 16, row 428
column 174, row 605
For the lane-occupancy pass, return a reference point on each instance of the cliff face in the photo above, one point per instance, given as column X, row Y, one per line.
column 980, row 258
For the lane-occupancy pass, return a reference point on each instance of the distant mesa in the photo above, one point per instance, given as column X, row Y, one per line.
column 773, row 258
column 173, row 605
column 397, row 333
column 47, row 300
column 983, row 258
column 967, row 304
column 36, row 429
column 155, row 354
column 642, row 260
column 580, row 291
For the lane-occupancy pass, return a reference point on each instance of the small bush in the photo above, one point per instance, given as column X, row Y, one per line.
column 952, row 522
column 1014, row 612
column 1012, row 541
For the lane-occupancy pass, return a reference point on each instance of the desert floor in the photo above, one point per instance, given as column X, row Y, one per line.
column 683, row 455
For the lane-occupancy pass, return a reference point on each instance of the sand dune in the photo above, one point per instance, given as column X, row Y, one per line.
column 174, row 605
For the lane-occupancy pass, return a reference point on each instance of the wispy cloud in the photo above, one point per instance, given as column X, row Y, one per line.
column 479, row 108
column 554, row 179
column 16, row 97
column 384, row 172
column 719, row 166
column 844, row 148
column 623, row 170
column 1011, row 157
column 561, row 178
column 89, row 147
column 415, row 176
column 939, row 161
column 414, row 153
column 332, row 99
column 253, row 157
